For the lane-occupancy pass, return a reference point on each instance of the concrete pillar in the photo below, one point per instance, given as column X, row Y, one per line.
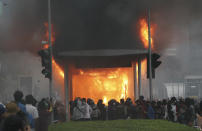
column 67, row 92
column 139, row 77
column 135, row 81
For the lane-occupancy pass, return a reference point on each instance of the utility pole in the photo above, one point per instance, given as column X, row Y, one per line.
column 50, row 47
column 150, row 51
column 51, row 55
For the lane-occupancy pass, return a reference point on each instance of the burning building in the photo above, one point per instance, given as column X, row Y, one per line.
column 92, row 36
column 103, row 73
column 104, row 61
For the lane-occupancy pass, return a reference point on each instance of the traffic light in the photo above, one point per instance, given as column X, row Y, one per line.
column 154, row 64
column 46, row 62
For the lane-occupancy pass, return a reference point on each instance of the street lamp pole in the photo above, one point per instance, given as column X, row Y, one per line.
column 50, row 47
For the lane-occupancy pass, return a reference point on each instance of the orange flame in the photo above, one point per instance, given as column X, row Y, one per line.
column 45, row 46
column 58, row 68
column 103, row 83
column 144, row 32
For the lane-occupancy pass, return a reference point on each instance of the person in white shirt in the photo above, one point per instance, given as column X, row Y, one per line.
column 30, row 108
column 78, row 113
column 86, row 109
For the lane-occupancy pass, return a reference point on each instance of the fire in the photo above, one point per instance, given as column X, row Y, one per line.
column 46, row 46
column 106, row 84
column 105, row 101
column 58, row 68
column 144, row 32
column 47, row 33
column 144, row 67
column 55, row 66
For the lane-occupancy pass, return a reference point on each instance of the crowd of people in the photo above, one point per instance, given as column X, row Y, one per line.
column 185, row 111
column 28, row 114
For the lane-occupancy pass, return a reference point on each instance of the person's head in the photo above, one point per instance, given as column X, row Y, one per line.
column 15, row 123
column 92, row 103
column 188, row 102
column 89, row 101
column 137, row 102
column 128, row 101
column 34, row 101
column 2, row 109
column 173, row 100
column 18, row 95
column 141, row 98
column 79, row 102
column 164, row 102
column 11, row 109
column 83, row 100
column 43, row 105
column 159, row 103
column 100, row 102
column 29, row 99
column 122, row 101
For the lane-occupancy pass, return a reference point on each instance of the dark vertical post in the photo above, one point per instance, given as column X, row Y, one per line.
column 50, row 46
column 51, row 55
column 66, row 80
column 149, row 51
column 178, row 90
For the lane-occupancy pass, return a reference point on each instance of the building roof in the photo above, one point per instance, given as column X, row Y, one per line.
column 101, row 58
column 102, row 53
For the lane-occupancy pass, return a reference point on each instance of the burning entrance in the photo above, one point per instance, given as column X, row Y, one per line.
column 103, row 83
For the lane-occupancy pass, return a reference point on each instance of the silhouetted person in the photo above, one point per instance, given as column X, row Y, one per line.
column 102, row 109
column 44, row 110
column 18, row 97
column 16, row 123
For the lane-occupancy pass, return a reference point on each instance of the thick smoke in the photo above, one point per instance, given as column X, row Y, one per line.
column 21, row 25
column 21, row 30
column 178, row 39
column 109, row 24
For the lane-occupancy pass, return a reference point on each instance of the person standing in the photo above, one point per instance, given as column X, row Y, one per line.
column 43, row 121
column 18, row 96
column 78, row 113
column 86, row 109
column 31, row 109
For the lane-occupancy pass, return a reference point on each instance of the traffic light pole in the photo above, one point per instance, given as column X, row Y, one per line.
column 150, row 52
column 50, row 47
column 51, row 55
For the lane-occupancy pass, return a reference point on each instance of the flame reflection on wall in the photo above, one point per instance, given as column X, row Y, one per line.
column 103, row 83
